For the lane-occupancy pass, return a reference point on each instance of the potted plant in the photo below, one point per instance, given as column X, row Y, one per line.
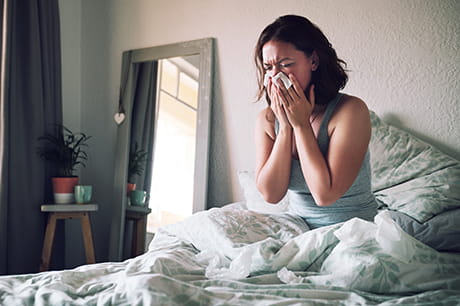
column 136, row 165
column 66, row 151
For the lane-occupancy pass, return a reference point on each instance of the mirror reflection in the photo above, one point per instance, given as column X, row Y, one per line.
column 162, row 147
column 171, row 189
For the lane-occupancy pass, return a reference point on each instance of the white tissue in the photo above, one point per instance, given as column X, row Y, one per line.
column 219, row 266
column 287, row 82
column 288, row 277
column 266, row 78
column 284, row 78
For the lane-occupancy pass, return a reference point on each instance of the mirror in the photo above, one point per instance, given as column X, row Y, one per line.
column 165, row 97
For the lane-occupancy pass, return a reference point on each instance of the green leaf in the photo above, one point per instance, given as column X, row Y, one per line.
column 377, row 272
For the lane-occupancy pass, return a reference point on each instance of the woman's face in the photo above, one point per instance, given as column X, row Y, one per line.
column 282, row 56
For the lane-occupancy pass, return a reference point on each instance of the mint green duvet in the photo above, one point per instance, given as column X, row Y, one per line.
column 248, row 258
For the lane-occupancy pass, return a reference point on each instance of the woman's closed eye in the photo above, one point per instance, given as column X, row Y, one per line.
column 286, row 65
column 268, row 68
column 281, row 65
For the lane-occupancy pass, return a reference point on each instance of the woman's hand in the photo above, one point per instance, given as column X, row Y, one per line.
column 297, row 107
column 277, row 103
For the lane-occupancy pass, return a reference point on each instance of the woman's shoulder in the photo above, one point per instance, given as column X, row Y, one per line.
column 266, row 116
column 352, row 111
column 351, row 106
column 352, row 103
column 266, row 121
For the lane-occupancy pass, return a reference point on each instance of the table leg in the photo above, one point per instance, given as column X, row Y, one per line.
column 88, row 239
column 48, row 242
column 139, row 236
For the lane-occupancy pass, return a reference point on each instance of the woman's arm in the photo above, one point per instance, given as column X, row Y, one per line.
column 273, row 157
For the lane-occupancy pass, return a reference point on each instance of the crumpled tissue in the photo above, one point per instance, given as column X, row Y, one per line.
column 287, row 82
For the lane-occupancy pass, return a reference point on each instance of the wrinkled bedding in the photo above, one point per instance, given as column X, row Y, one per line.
column 256, row 259
column 410, row 175
column 442, row 232
column 246, row 254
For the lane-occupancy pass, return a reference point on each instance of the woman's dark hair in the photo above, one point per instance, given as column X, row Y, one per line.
column 329, row 77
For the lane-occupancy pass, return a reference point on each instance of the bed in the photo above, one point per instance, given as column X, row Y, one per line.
column 249, row 253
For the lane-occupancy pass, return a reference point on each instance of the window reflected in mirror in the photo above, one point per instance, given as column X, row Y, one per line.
column 171, row 193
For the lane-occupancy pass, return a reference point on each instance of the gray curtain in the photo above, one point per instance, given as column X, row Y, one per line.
column 143, row 117
column 32, row 105
column 142, row 129
column 138, row 90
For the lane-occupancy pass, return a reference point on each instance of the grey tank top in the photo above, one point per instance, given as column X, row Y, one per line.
column 358, row 200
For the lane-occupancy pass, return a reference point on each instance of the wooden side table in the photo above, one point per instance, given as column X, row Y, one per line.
column 67, row 211
column 138, row 214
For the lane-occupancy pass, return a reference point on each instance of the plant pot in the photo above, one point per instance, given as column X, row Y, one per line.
column 130, row 187
column 63, row 189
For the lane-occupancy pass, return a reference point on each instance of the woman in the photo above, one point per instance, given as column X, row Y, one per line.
column 311, row 139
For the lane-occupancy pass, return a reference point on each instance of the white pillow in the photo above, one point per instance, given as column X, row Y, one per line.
column 253, row 198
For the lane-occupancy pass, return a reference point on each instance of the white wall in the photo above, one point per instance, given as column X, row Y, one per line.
column 403, row 56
